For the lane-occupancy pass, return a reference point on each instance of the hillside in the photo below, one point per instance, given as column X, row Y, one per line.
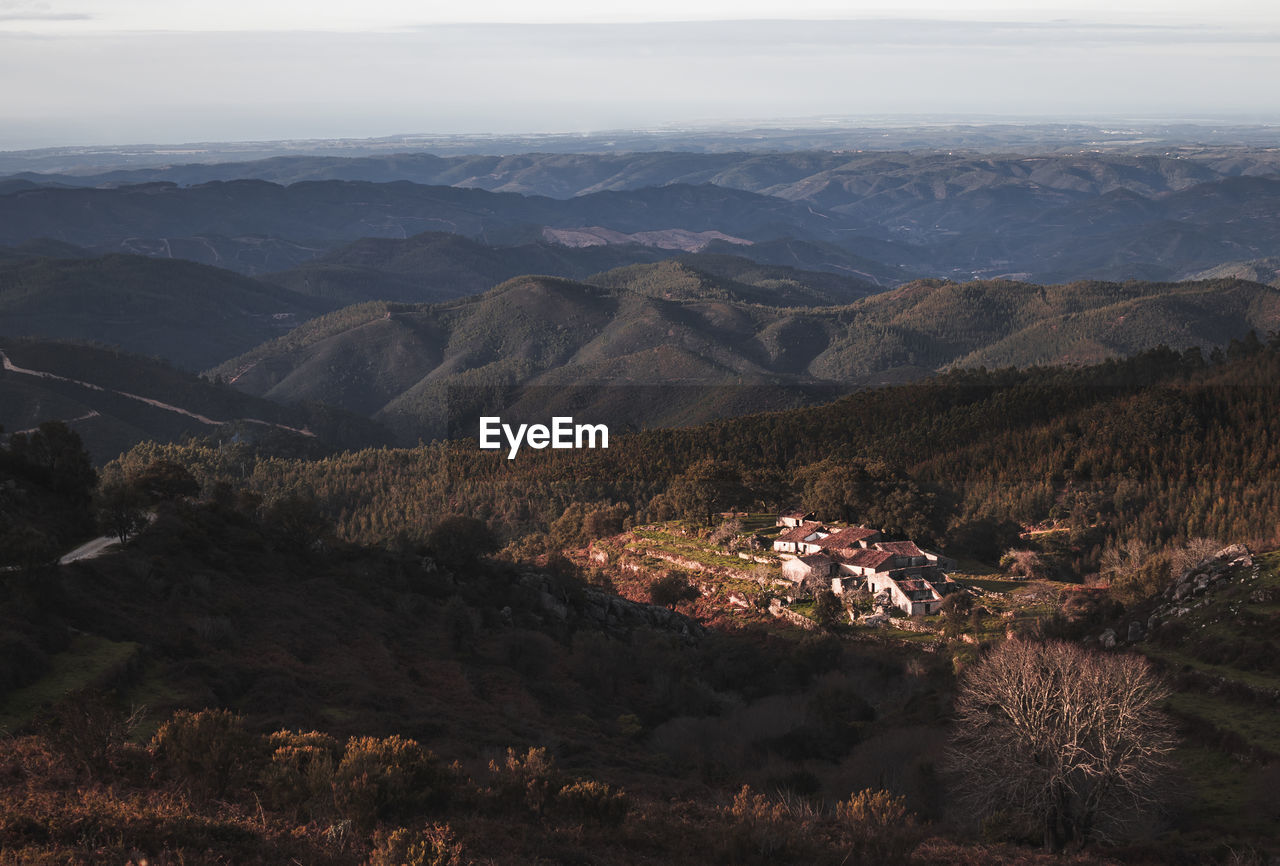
column 1257, row 270
column 436, row 266
column 254, row 605
column 690, row 346
column 437, row 662
column 192, row 315
column 115, row 400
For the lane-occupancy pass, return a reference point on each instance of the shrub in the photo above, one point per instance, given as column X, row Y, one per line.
column 388, row 778
column 1025, row 564
column 671, row 589
column 593, row 802
column 209, row 751
column 531, row 779
column 764, row 831
column 879, row 827
column 89, row 731
column 301, row 773
column 432, row 846
column 827, row 610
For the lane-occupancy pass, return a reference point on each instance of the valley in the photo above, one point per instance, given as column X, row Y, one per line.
column 265, row 598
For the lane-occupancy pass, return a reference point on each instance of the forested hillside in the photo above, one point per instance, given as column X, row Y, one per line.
column 114, row 400
column 1160, row 447
column 192, row 315
column 692, row 346
column 436, row 266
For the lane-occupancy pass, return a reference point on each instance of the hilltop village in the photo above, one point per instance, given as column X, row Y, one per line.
column 896, row 573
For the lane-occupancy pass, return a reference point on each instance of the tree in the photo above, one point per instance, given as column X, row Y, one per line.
column 296, row 520
column 706, row 487
column 459, row 541
column 827, row 610
column 870, row 492
column 671, row 589
column 164, row 480
column 56, row 450
column 121, row 510
column 1070, row 742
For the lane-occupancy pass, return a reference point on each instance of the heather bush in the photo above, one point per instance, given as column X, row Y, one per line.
column 431, row 846
column 531, row 779
column 763, row 830
column 208, row 751
column 878, row 826
column 593, row 802
column 300, row 775
column 392, row 777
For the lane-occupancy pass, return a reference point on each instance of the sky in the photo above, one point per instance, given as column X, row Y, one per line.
column 82, row 72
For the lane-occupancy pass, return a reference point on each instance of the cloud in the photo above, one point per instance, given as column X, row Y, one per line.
column 24, row 10
column 45, row 16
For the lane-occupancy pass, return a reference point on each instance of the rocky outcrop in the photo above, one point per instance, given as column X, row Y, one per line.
column 587, row 604
column 1187, row 592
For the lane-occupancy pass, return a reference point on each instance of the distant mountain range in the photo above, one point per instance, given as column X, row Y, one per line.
column 254, row 226
column 1042, row 217
column 643, row 288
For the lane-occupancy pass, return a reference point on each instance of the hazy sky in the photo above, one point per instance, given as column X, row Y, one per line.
column 122, row 71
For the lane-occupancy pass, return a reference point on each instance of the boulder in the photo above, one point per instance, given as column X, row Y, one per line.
column 1108, row 639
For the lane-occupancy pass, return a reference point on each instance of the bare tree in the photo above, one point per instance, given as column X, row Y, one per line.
column 1068, row 741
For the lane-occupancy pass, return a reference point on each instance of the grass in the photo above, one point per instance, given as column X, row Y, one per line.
column 1224, row 795
column 760, row 523
column 921, row 637
column 990, row 584
column 689, row 547
column 88, row 660
column 1257, row 726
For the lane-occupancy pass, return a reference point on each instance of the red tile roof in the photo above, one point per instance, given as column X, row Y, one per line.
column 847, row 537
column 799, row 533
column 900, row 548
column 866, row 558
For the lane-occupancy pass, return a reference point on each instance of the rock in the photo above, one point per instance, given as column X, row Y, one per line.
column 1182, row 591
column 1232, row 551
column 1136, row 632
column 1108, row 639
column 874, row 620
column 554, row 606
